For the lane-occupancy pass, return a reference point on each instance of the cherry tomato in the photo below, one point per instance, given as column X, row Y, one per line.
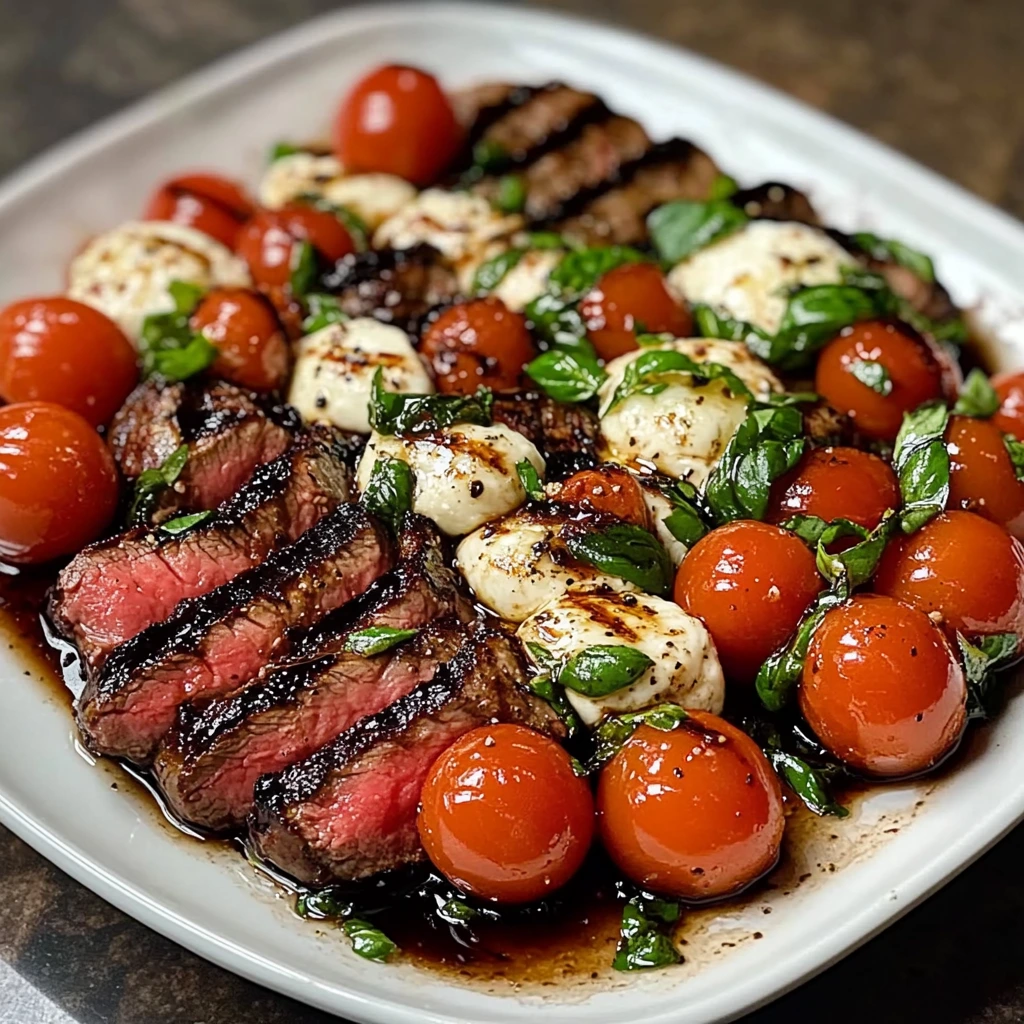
column 1010, row 417
column 477, row 342
column 964, row 571
column 607, row 489
column 251, row 345
column 397, row 120
column 750, row 583
column 59, row 350
column 267, row 240
column 695, row 812
column 981, row 476
column 630, row 300
column 836, row 483
column 58, row 483
column 207, row 202
column 503, row 815
column 915, row 375
column 882, row 688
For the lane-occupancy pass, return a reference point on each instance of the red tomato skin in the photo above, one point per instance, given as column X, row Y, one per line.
column 207, row 202
column 397, row 120
column 608, row 489
column 63, row 351
column 58, row 483
column 1009, row 419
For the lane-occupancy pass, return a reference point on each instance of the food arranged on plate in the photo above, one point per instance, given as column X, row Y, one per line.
column 499, row 506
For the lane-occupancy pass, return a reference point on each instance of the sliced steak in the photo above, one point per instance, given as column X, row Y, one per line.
column 566, row 435
column 210, row 760
column 213, row 644
column 349, row 810
column 116, row 588
column 229, row 432
column 479, row 106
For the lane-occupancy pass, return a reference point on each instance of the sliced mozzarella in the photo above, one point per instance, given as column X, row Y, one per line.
column 509, row 564
column 372, row 197
column 686, row 670
column 749, row 274
column 528, row 278
column 295, row 175
column 659, row 508
column 465, row 475
column 126, row 273
column 683, row 430
column 335, row 367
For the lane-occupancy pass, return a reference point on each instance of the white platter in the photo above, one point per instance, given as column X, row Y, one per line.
column 286, row 88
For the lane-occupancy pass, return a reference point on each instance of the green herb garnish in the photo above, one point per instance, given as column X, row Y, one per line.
column 368, row 941
column 644, row 936
column 977, row 397
column 376, row 640
column 530, row 479
column 392, row 412
column 921, row 462
column 150, row 483
column 680, row 228
column 176, row 527
column 629, row 552
column 604, row 668
column 872, row 374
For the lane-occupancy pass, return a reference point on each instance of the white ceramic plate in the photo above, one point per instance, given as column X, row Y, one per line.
column 226, row 117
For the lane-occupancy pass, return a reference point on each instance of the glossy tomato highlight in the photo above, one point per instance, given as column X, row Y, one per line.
column 608, row 489
column 207, row 202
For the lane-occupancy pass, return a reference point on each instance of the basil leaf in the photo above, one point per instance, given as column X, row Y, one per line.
column 490, row 155
column 547, row 689
column 806, row 782
column 643, row 376
column 510, row 196
column 604, row 668
column 921, row 462
column 889, row 250
column 711, row 324
column 548, row 240
column 151, row 482
column 856, row 564
column 682, row 227
column 393, row 412
column 778, row 400
column 376, row 640
column 808, row 528
column 369, row 942
column 687, row 521
column 168, row 344
column 644, row 939
column 492, row 272
column 282, row 149
column 322, row 311
column 186, row 296
column 556, row 320
column 952, row 330
column 768, row 443
column 389, row 493
column 530, row 479
column 723, row 187
column 181, row 363
column 981, row 661
column 324, row 904
column 977, row 397
column 615, row 730
column 623, row 550
column 1015, row 449
column 873, row 375
column 303, row 269
column 578, row 271
column 457, row 912
column 567, row 375
column 176, row 527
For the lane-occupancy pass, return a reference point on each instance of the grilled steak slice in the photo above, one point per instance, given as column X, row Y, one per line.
column 229, row 432
column 775, row 201
column 213, row 644
column 349, row 810
column 210, row 760
column 479, row 106
column 566, row 435
column 116, row 588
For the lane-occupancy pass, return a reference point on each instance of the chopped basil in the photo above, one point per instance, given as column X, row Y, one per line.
column 623, row 550
column 393, row 412
column 530, row 479
column 723, row 187
column 567, row 375
column 490, row 156
column 644, row 936
column 857, row 563
column 457, row 912
column 977, row 397
column 1015, row 449
column 682, row 227
column 377, row 639
column 556, row 319
column 644, row 375
column 389, row 493
column 282, row 149
column 185, row 295
column 492, row 272
column 603, row 668
column 981, row 661
column 548, row 240
column 921, row 462
column 303, row 269
column 369, row 942
column 547, row 689
column 782, row 399
column 510, row 196
column 711, row 324
column 615, row 730
column 180, row 363
column 578, row 271
column 322, row 311
column 873, row 375
column 176, row 527
column 323, row 904
column 687, row 521
column 889, row 250
column 151, row 482
column 168, row 344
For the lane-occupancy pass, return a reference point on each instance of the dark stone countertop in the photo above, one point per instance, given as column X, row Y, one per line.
column 940, row 79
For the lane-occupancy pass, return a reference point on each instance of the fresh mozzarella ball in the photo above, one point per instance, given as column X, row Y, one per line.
column 510, row 567
column 372, row 197
column 335, row 367
column 749, row 274
column 686, row 669
column 659, row 508
column 126, row 273
column 295, row 175
column 683, row 430
column 528, row 278
column 465, row 475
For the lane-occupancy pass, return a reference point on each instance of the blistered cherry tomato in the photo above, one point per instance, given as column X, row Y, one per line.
column 607, row 489
column 397, row 120
column 749, row 583
column 881, row 687
column 915, row 375
column 963, row 570
column 207, row 202
column 252, row 350
column 503, row 815
column 477, row 342
column 627, row 301
column 1010, row 417
column 58, row 483
column 981, row 476
column 695, row 812
column 836, row 483
column 59, row 350
column 267, row 241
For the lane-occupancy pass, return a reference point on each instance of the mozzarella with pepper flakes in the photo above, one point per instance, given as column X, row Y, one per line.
column 465, row 475
column 749, row 274
column 686, row 669
column 528, row 279
column 683, row 430
column 126, row 273
column 334, row 371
